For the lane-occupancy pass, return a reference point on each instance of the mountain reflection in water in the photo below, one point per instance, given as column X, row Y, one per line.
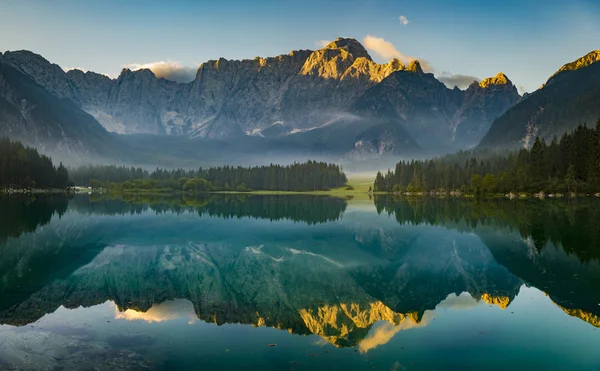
column 354, row 274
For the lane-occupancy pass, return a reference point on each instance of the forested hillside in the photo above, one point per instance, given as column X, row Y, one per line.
column 24, row 167
column 309, row 176
column 571, row 164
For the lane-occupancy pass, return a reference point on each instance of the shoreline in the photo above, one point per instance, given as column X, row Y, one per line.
column 338, row 193
column 33, row 191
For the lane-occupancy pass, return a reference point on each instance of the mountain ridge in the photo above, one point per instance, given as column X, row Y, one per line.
column 334, row 100
column 303, row 89
column 570, row 98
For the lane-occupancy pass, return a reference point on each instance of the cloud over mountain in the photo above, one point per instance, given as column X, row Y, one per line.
column 461, row 81
column 387, row 51
column 173, row 71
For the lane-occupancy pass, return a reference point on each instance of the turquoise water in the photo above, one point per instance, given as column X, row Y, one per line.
column 298, row 283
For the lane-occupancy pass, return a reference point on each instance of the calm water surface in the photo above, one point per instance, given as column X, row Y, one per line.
column 298, row 283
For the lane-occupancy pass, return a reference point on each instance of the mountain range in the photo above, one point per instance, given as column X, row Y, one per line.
column 335, row 101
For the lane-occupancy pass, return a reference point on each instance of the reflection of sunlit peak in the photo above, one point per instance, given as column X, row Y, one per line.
column 260, row 321
column 341, row 324
column 588, row 317
column 501, row 301
column 166, row 311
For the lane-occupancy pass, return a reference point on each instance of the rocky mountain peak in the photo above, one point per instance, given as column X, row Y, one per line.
column 352, row 46
column 331, row 62
column 585, row 61
column 31, row 63
column 25, row 56
column 49, row 75
column 415, row 66
column 124, row 72
column 499, row 79
column 145, row 73
column 396, row 64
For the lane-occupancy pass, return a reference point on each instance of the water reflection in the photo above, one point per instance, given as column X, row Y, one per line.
column 348, row 274
column 21, row 214
column 309, row 209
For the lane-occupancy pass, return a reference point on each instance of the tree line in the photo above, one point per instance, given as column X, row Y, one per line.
column 568, row 164
column 308, row 176
column 24, row 167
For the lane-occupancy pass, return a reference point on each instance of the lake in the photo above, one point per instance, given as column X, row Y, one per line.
column 298, row 283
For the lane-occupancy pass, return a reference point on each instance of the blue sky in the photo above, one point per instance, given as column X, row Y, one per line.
column 528, row 39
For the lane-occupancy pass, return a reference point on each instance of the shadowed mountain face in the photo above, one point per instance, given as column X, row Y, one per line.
column 33, row 115
column 249, row 261
column 570, row 98
column 297, row 99
column 433, row 114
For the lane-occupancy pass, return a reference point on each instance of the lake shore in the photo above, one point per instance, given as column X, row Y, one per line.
column 347, row 192
column 33, row 191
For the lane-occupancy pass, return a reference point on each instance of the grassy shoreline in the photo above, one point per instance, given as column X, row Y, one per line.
column 354, row 189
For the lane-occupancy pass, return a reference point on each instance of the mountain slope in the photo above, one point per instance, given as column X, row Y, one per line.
column 431, row 113
column 570, row 98
column 36, row 117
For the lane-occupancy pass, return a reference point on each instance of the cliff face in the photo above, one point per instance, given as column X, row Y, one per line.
column 481, row 104
column 226, row 98
column 33, row 115
column 432, row 113
column 303, row 90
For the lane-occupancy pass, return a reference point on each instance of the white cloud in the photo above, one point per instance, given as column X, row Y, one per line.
column 403, row 20
column 322, row 43
column 461, row 81
column 168, row 70
column 74, row 68
column 386, row 50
